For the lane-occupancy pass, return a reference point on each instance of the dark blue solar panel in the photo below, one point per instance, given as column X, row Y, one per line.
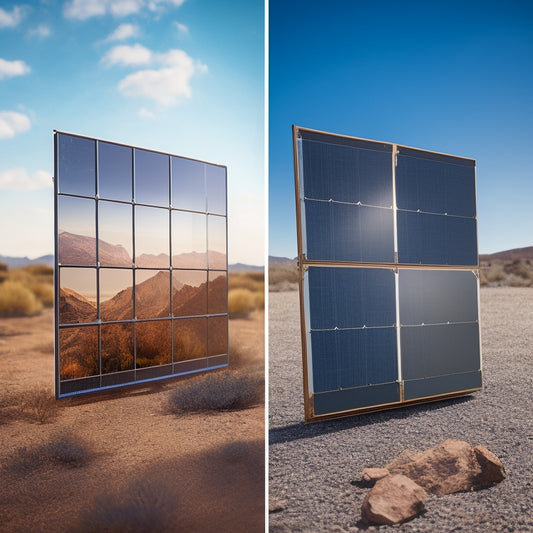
column 351, row 297
column 353, row 358
column 436, row 239
column 345, row 232
column 347, row 174
column 438, row 296
column 439, row 350
column 435, row 186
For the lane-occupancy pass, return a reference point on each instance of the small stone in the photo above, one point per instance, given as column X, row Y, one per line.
column 394, row 499
column 370, row 475
column 276, row 506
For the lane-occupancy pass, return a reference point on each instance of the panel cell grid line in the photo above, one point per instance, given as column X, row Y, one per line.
column 141, row 287
column 388, row 274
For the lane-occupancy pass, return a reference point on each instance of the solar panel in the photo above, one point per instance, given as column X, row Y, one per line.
column 387, row 249
column 141, row 265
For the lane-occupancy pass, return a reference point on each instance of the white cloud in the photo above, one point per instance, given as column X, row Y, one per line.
column 8, row 69
column 41, row 31
column 123, row 32
column 12, row 123
column 128, row 55
column 167, row 85
column 84, row 9
column 145, row 113
column 19, row 179
column 10, row 20
column 181, row 27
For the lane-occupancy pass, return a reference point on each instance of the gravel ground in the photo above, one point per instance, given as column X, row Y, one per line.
column 313, row 467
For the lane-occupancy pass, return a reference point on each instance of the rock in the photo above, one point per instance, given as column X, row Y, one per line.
column 276, row 506
column 370, row 475
column 453, row 466
column 492, row 470
column 392, row 500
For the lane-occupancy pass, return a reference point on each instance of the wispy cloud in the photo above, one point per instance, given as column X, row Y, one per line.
column 181, row 27
column 145, row 113
column 123, row 32
column 9, row 69
column 168, row 84
column 12, row 123
column 42, row 31
column 126, row 55
column 84, row 9
column 10, row 19
column 19, row 179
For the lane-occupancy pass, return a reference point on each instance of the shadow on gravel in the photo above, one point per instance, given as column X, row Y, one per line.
column 315, row 429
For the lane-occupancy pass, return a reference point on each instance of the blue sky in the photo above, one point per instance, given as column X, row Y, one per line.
column 180, row 76
column 449, row 76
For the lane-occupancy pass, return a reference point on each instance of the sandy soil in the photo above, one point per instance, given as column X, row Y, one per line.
column 314, row 469
column 140, row 469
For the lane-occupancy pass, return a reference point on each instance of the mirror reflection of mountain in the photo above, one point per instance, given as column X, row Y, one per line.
column 81, row 250
column 152, row 300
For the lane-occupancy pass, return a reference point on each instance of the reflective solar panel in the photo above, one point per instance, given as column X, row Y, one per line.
column 141, row 265
column 387, row 250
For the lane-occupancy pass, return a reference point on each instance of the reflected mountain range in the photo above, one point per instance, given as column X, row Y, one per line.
column 152, row 300
column 81, row 250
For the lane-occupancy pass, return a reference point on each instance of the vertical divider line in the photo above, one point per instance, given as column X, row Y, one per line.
column 134, row 268
column 97, row 234
column 397, row 274
column 170, row 313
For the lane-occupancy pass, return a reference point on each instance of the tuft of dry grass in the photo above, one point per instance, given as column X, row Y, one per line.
column 217, row 391
column 246, row 293
column 283, row 276
column 62, row 449
column 144, row 508
column 18, row 300
column 517, row 273
column 38, row 405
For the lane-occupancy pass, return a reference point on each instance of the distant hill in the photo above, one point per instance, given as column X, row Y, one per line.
column 241, row 267
column 515, row 254
column 18, row 262
column 275, row 259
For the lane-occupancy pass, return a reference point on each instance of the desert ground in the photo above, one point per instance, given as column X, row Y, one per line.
column 314, row 469
column 120, row 461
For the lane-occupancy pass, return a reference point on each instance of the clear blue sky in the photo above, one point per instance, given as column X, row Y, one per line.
column 181, row 76
column 450, row 76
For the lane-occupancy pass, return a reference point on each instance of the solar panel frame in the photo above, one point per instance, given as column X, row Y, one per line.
column 100, row 379
column 321, row 404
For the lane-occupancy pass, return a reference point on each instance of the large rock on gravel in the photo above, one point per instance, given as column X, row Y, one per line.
column 392, row 500
column 453, row 466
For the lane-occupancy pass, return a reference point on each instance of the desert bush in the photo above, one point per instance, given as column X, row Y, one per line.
column 43, row 291
column 63, row 449
column 217, row 391
column 283, row 276
column 143, row 508
column 39, row 405
column 241, row 303
column 519, row 269
column 18, row 300
column 253, row 281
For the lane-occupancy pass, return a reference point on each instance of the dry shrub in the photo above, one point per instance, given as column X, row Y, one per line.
column 253, row 281
column 217, row 391
column 18, row 300
column 63, row 449
column 43, row 291
column 38, row 405
column 143, row 508
column 283, row 276
column 241, row 302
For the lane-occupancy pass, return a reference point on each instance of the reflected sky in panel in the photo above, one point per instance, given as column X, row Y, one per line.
column 77, row 165
column 115, row 234
column 189, row 245
column 115, row 178
column 80, row 280
column 152, row 237
column 216, row 241
column 188, row 184
column 216, row 189
column 151, row 178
